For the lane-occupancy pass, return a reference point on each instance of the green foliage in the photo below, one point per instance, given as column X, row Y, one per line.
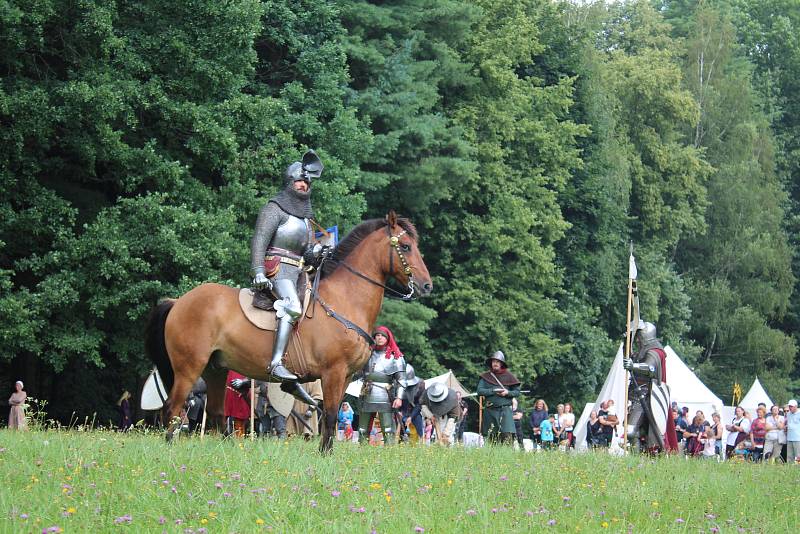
column 530, row 141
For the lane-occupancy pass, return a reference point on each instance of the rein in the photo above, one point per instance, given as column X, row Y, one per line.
column 394, row 242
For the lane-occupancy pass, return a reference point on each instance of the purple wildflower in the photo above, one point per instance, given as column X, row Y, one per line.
column 711, row 516
column 335, row 493
column 226, row 494
column 551, row 522
column 471, row 512
column 529, row 513
column 162, row 520
column 123, row 519
column 566, row 498
column 182, row 468
column 419, row 529
column 23, row 516
column 218, row 485
column 494, row 510
column 312, row 503
column 680, row 520
column 714, row 529
column 503, row 478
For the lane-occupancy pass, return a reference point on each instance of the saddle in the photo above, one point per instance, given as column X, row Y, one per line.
column 260, row 317
column 265, row 320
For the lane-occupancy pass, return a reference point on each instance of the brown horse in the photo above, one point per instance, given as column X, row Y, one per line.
column 204, row 332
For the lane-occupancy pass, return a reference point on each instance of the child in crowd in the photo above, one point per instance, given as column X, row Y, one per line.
column 709, row 441
column 546, row 428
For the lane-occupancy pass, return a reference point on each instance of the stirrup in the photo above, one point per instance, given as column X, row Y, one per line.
column 282, row 373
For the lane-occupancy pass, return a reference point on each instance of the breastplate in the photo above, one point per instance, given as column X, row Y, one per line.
column 382, row 369
column 292, row 235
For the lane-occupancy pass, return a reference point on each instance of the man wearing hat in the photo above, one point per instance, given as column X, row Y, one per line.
column 498, row 386
column 411, row 409
column 443, row 404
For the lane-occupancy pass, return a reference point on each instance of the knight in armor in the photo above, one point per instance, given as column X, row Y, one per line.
column 282, row 247
column 499, row 386
column 411, row 409
column 384, row 377
column 650, row 423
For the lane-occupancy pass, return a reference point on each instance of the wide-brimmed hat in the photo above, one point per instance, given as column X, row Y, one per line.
column 437, row 392
column 441, row 399
column 500, row 357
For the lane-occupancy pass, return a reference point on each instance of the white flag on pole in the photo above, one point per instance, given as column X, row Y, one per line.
column 632, row 273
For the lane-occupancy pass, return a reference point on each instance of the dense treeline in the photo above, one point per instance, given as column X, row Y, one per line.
column 530, row 140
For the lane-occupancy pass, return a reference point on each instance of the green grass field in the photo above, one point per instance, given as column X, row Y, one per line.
column 109, row 482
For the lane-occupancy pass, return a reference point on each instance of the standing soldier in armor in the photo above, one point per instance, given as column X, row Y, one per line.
column 383, row 389
column 281, row 247
column 499, row 386
column 650, row 422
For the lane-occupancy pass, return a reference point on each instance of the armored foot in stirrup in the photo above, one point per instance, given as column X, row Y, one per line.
column 280, row 372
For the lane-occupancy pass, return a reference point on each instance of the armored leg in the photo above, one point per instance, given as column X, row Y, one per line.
column 288, row 310
column 636, row 420
column 365, row 426
column 387, row 427
column 300, row 394
column 279, row 426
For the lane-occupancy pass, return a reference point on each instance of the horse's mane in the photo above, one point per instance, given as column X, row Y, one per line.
column 356, row 236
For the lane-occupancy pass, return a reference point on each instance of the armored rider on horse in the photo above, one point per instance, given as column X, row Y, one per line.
column 282, row 247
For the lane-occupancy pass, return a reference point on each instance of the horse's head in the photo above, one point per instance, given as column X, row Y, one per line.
column 405, row 262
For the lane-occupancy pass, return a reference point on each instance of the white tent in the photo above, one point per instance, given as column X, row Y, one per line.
column 685, row 389
column 688, row 390
column 449, row 380
column 754, row 396
column 613, row 388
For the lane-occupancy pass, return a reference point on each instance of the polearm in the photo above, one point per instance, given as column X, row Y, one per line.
column 203, row 423
column 252, row 409
column 632, row 290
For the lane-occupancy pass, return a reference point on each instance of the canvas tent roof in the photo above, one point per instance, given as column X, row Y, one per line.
column 449, row 380
column 754, row 396
column 685, row 388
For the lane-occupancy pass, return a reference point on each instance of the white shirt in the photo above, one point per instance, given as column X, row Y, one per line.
column 773, row 435
column 567, row 421
column 744, row 423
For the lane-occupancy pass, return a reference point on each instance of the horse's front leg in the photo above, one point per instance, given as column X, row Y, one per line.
column 333, row 386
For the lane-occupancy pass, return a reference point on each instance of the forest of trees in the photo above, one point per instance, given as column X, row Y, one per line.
column 531, row 141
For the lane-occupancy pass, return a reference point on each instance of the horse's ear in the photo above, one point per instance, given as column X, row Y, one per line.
column 391, row 218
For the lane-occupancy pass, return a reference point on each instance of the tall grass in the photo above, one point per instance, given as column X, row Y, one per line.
column 108, row 482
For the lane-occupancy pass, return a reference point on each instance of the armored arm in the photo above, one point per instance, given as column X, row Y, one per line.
column 269, row 218
column 645, row 369
column 400, row 390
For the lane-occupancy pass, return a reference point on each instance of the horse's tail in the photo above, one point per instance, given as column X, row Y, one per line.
column 155, row 345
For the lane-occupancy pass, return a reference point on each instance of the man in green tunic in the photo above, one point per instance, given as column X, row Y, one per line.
column 499, row 386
